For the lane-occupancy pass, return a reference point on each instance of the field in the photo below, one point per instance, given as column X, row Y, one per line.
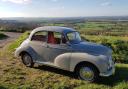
column 116, row 28
column 14, row 75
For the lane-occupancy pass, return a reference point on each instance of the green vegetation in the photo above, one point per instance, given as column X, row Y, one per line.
column 119, row 45
column 14, row 75
column 2, row 36
column 103, row 28
column 17, row 42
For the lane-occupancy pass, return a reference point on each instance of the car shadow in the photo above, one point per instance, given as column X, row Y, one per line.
column 1, row 87
column 120, row 75
column 56, row 70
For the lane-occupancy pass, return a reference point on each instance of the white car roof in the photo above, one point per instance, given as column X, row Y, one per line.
column 54, row 29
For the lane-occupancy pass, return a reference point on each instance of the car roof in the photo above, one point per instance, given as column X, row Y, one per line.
column 54, row 29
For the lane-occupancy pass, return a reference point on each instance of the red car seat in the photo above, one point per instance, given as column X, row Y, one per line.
column 51, row 38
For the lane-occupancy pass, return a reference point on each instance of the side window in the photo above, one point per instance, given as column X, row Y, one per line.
column 71, row 36
column 55, row 38
column 40, row 36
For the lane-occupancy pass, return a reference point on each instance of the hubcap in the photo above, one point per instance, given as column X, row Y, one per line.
column 86, row 73
column 27, row 59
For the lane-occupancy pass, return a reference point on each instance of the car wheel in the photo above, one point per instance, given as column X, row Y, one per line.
column 27, row 60
column 88, row 73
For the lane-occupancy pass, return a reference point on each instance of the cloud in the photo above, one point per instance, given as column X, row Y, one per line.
column 106, row 4
column 17, row 1
column 54, row 0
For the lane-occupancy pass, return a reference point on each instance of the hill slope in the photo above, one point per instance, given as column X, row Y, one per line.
column 14, row 75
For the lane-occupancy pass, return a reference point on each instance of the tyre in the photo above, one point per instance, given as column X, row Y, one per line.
column 87, row 72
column 27, row 60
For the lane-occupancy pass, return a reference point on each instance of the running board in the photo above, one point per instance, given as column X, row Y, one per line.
column 46, row 63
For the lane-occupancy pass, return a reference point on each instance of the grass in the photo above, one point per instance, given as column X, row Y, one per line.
column 2, row 36
column 110, row 38
column 14, row 75
column 17, row 42
column 118, row 44
column 103, row 25
column 103, row 28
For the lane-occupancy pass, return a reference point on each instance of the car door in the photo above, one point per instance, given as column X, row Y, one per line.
column 57, row 45
column 39, row 45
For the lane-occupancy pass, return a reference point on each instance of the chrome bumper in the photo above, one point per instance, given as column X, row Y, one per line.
column 109, row 72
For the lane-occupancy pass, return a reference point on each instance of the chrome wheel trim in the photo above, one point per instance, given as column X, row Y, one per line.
column 27, row 59
column 86, row 73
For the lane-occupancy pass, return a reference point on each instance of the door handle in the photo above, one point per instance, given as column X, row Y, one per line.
column 47, row 46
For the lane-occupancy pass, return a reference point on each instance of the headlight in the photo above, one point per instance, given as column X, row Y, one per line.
column 110, row 62
column 107, row 61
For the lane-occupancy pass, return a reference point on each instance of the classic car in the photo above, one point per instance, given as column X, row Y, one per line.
column 63, row 48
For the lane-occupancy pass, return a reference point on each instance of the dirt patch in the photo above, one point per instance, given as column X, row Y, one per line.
column 3, row 54
column 11, row 37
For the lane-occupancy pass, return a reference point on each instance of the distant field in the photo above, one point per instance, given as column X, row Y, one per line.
column 104, row 28
column 110, row 38
column 111, row 28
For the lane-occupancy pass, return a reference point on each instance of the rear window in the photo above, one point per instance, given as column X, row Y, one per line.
column 40, row 36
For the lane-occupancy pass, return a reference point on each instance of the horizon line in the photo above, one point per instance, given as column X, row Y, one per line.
column 68, row 17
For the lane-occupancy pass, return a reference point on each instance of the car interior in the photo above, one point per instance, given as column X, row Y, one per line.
column 39, row 38
column 52, row 39
column 55, row 40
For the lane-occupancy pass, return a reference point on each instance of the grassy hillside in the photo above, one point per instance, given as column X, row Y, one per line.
column 14, row 75
column 17, row 42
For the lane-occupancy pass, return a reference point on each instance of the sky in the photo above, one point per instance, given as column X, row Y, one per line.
column 63, row 8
